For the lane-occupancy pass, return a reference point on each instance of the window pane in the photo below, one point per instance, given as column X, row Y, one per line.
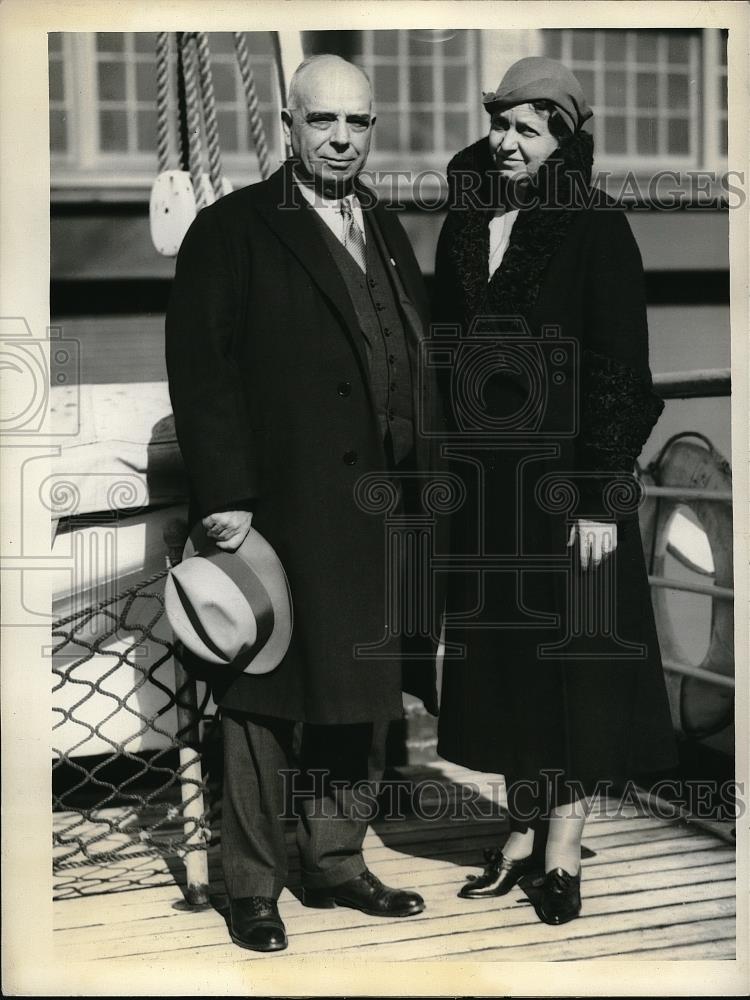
column 454, row 85
column 385, row 84
column 147, row 130
column 228, row 135
column 723, row 47
column 111, row 81
column 583, row 44
column 614, row 134
column 678, row 48
column 56, row 81
column 54, row 41
column 647, row 140
column 586, row 79
column 455, row 45
column 385, row 43
column 645, row 46
column 224, row 81
column 58, row 131
column 385, row 135
column 145, row 81
column 423, row 43
column 614, row 89
column 456, row 130
column 113, row 131
column 646, row 89
column 614, row 46
column 723, row 92
column 258, row 42
column 552, row 44
column 357, row 43
column 677, row 135
column 223, row 41
column 723, row 137
column 420, row 85
column 144, row 41
column 110, row 41
column 265, row 83
column 677, row 90
column 270, row 124
column 421, row 131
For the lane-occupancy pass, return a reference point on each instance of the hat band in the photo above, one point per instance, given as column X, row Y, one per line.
column 244, row 577
column 256, row 595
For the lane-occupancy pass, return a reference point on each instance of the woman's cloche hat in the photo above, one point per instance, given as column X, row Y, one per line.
column 537, row 78
column 232, row 609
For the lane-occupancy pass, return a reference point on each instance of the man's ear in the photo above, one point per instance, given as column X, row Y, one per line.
column 286, row 125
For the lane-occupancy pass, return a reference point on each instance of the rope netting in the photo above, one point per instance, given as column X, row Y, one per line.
column 128, row 732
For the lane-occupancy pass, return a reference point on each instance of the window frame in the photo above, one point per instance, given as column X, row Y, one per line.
column 631, row 161
column 83, row 172
column 127, row 173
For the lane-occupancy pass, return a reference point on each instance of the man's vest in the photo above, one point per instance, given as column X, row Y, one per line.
column 385, row 339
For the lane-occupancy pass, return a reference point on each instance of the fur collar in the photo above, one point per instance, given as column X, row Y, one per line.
column 561, row 189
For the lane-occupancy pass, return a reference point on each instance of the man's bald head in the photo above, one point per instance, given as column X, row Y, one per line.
column 328, row 122
column 327, row 71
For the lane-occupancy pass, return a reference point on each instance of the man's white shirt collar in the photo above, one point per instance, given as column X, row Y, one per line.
column 329, row 209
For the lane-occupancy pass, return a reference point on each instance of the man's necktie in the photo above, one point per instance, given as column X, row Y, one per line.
column 354, row 239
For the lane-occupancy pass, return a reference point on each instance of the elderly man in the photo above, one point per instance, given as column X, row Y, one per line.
column 293, row 337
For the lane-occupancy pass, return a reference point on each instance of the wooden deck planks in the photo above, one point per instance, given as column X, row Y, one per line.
column 654, row 889
column 448, row 926
column 155, row 920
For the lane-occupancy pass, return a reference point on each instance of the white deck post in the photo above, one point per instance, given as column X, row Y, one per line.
column 191, row 772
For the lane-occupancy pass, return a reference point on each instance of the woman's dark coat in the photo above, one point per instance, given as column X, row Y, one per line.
column 269, row 385
column 563, row 324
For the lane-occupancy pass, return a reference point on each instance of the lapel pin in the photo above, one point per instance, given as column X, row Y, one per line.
column 393, row 261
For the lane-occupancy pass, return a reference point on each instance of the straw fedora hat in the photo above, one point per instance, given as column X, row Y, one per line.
column 232, row 609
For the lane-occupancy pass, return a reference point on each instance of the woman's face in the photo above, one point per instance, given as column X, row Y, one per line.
column 520, row 141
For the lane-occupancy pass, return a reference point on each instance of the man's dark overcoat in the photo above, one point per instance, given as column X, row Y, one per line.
column 561, row 669
column 269, row 385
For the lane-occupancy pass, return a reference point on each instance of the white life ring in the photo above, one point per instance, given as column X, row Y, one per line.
column 699, row 709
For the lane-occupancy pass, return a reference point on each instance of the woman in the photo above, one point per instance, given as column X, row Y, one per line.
column 552, row 675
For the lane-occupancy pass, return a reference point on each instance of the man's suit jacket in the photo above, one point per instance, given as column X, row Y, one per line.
column 269, row 385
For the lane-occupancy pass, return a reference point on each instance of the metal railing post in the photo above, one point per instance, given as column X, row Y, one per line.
column 191, row 771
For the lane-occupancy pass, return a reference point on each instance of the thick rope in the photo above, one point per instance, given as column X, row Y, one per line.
column 192, row 106
column 162, row 100
column 209, row 114
column 257, row 130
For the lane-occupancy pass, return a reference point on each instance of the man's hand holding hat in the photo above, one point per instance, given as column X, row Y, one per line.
column 228, row 528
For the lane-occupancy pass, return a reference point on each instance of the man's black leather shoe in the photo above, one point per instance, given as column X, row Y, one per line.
column 254, row 923
column 367, row 893
column 560, row 897
column 500, row 875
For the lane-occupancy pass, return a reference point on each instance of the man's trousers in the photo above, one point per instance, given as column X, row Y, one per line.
column 333, row 796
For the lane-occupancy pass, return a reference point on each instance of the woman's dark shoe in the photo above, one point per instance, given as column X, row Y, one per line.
column 499, row 876
column 560, row 897
column 367, row 893
column 254, row 923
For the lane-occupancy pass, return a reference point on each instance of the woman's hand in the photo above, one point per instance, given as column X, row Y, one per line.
column 596, row 539
column 228, row 528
